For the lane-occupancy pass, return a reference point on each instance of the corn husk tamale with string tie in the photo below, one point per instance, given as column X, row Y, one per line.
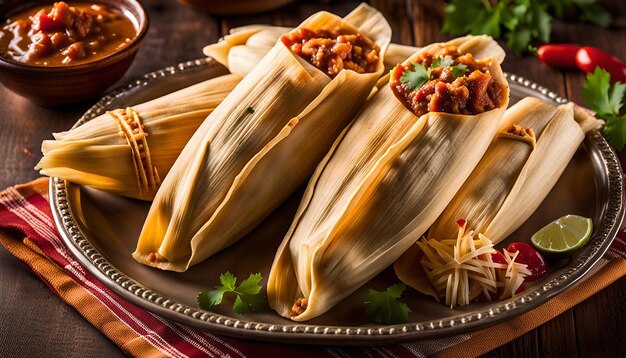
column 128, row 151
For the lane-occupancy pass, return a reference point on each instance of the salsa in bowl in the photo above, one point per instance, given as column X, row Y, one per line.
column 58, row 53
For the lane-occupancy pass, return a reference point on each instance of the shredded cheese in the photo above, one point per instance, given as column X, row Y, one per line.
column 462, row 269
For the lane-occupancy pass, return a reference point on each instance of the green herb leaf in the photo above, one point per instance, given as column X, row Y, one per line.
column 250, row 286
column 247, row 293
column 540, row 23
column 415, row 76
column 442, row 62
column 607, row 101
column 245, row 303
column 519, row 40
column 210, row 299
column 598, row 94
column 459, row 70
column 384, row 307
column 615, row 131
column 228, row 281
column 520, row 22
column 458, row 13
column 249, row 110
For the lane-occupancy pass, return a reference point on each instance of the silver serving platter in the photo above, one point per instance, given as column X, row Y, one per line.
column 102, row 229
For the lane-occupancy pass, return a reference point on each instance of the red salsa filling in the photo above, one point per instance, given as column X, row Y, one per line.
column 444, row 80
column 332, row 51
column 65, row 35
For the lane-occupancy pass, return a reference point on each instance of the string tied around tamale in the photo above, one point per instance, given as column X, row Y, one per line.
column 133, row 131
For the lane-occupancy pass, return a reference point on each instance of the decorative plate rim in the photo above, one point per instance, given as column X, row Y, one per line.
column 135, row 292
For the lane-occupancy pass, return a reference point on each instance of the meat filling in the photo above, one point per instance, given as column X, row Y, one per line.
column 333, row 51
column 445, row 80
column 299, row 307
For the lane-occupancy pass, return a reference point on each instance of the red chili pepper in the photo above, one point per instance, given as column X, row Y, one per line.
column 588, row 58
column 558, row 55
column 530, row 257
column 498, row 258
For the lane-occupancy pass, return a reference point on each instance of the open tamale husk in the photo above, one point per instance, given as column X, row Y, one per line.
column 258, row 146
column 384, row 182
column 245, row 46
column 128, row 151
column 529, row 153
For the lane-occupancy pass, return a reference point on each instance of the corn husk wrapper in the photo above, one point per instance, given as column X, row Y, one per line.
column 383, row 183
column 245, row 46
column 97, row 155
column 510, row 182
column 240, row 165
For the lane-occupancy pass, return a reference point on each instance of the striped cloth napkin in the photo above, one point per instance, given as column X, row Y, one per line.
column 27, row 231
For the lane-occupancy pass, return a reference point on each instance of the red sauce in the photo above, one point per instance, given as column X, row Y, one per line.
column 333, row 51
column 65, row 35
column 452, row 83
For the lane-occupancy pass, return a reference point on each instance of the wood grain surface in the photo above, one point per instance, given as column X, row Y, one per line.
column 34, row 322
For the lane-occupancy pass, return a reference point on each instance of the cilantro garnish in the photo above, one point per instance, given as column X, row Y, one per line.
column 247, row 293
column 607, row 101
column 442, row 62
column 520, row 22
column 415, row 76
column 384, row 307
column 250, row 110
column 459, row 70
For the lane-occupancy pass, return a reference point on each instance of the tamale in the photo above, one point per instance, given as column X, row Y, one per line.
column 384, row 182
column 262, row 142
column 245, row 46
column 128, row 151
column 533, row 146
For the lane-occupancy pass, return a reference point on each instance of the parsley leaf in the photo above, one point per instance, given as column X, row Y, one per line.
column 600, row 96
column 442, row 62
column 249, row 110
column 384, row 307
column 615, row 131
column 228, row 281
column 459, row 70
column 246, row 299
column 520, row 22
column 607, row 101
column 415, row 76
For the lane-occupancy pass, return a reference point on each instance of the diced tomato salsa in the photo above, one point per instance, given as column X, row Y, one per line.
column 65, row 35
column 333, row 51
column 450, row 82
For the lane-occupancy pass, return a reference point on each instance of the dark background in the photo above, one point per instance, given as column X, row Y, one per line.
column 34, row 322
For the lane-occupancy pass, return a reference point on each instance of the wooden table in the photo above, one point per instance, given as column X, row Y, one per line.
column 33, row 321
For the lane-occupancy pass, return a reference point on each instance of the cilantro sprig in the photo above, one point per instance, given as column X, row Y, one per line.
column 417, row 74
column 607, row 101
column 442, row 62
column 459, row 70
column 520, row 22
column 247, row 293
column 384, row 307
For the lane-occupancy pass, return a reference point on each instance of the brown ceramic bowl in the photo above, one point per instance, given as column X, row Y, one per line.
column 234, row 7
column 59, row 85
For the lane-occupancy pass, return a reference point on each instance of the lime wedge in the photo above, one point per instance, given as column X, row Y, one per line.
column 563, row 236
